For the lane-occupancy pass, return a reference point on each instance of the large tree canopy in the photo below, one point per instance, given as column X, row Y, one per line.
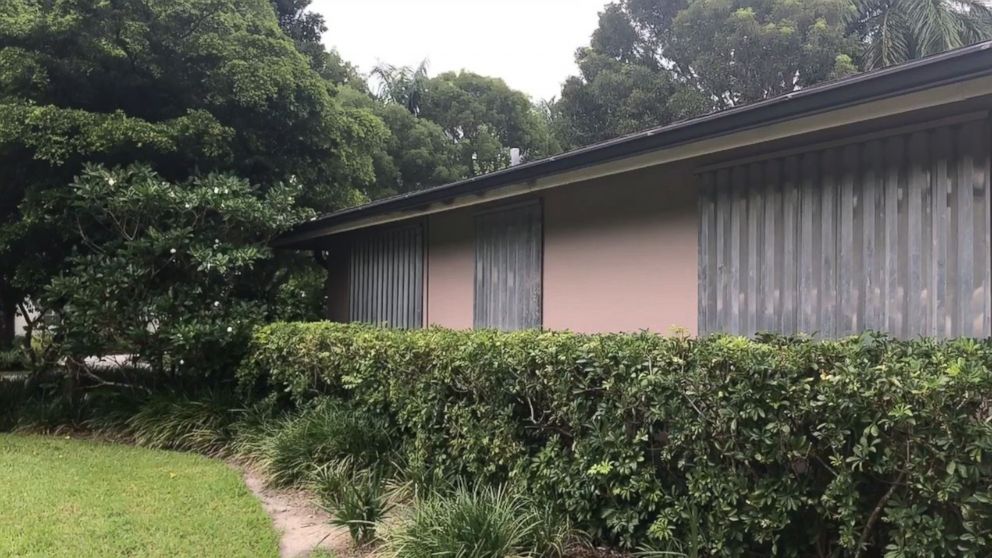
column 306, row 28
column 650, row 62
column 482, row 115
column 186, row 87
column 487, row 118
column 416, row 154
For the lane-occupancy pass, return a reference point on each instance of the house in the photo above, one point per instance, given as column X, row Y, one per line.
column 857, row 204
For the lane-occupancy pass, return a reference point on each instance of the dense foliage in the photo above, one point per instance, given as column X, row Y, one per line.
column 650, row 63
column 457, row 124
column 186, row 88
column 720, row 446
column 176, row 274
column 893, row 31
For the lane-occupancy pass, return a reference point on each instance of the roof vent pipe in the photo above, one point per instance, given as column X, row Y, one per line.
column 515, row 156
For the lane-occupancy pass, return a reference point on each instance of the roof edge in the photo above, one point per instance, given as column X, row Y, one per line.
column 941, row 69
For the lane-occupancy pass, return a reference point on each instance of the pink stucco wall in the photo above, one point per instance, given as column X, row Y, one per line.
column 450, row 269
column 620, row 253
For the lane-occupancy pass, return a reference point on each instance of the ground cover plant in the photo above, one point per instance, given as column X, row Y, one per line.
column 81, row 498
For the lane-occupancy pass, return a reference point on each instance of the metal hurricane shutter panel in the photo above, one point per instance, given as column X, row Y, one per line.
column 890, row 233
column 508, row 268
column 387, row 281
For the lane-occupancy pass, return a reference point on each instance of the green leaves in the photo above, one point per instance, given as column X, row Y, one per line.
column 894, row 31
column 175, row 273
column 718, row 447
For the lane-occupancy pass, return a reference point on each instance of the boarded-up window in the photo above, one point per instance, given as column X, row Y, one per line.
column 889, row 234
column 508, row 261
column 386, row 283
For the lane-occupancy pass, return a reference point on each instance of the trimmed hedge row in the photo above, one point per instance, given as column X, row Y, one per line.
column 721, row 446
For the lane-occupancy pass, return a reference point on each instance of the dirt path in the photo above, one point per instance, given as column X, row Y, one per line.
column 303, row 526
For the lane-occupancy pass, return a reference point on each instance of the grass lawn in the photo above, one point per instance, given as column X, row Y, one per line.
column 83, row 499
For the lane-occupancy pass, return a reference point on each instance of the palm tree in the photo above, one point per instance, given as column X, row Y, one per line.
column 894, row 31
column 403, row 85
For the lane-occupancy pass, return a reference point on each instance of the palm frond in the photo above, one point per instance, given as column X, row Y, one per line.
column 934, row 25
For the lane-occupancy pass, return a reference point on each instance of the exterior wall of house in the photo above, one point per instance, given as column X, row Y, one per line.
column 620, row 253
column 450, row 269
column 337, row 284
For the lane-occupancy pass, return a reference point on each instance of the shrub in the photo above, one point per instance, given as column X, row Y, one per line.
column 356, row 498
column 12, row 394
column 774, row 446
column 179, row 422
column 479, row 522
column 13, row 360
column 293, row 448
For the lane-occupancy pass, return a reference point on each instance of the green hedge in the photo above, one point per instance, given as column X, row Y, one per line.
column 722, row 446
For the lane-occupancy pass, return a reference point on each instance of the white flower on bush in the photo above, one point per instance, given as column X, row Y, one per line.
column 230, row 330
column 111, row 181
column 173, row 251
column 216, row 304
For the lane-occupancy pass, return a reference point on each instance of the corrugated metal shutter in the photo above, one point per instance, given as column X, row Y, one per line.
column 889, row 234
column 508, row 268
column 387, row 278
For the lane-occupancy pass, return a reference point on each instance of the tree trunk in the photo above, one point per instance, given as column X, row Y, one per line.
column 8, row 311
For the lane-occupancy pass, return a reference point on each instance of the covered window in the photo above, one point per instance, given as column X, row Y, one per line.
column 386, row 282
column 508, row 268
column 888, row 233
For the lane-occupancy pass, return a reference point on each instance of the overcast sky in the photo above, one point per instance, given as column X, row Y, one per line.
column 529, row 43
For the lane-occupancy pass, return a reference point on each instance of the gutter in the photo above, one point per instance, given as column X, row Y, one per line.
column 941, row 69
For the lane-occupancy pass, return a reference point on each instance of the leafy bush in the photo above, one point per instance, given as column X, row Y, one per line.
column 12, row 395
column 13, row 360
column 175, row 273
column 479, row 522
column 731, row 446
column 293, row 448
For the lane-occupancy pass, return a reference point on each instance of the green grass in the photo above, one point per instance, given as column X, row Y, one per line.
column 78, row 498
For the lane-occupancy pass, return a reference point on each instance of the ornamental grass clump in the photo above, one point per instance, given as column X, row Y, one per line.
column 198, row 423
column 476, row 522
column 293, row 448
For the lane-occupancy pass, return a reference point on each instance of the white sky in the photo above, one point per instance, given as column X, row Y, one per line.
column 529, row 43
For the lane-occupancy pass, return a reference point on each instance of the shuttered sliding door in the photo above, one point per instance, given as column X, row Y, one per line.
column 508, row 268
column 889, row 234
column 387, row 278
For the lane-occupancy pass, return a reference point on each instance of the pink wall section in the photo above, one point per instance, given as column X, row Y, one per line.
column 620, row 253
column 450, row 269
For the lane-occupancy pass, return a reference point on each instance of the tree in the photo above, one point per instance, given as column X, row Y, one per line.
column 306, row 29
column 177, row 274
column 894, row 31
column 403, row 85
column 416, row 154
column 612, row 98
column 451, row 126
column 486, row 118
column 188, row 88
column 738, row 52
column 650, row 63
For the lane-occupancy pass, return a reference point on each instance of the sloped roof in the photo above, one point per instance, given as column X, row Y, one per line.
column 941, row 69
